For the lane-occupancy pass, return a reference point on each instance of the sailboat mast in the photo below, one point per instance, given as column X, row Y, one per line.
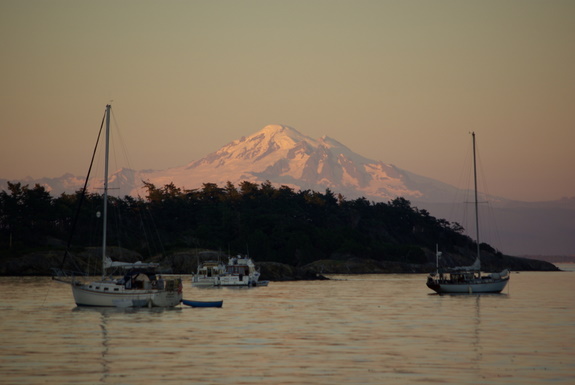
column 437, row 258
column 105, row 217
column 476, row 200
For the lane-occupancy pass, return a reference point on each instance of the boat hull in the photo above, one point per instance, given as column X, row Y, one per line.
column 203, row 303
column 234, row 280
column 495, row 286
column 97, row 296
column 204, row 282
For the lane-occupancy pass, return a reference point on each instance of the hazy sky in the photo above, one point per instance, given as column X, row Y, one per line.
column 398, row 81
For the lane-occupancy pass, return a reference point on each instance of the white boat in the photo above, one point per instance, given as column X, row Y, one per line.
column 467, row 279
column 139, row 285
column 208, row 273
column 240, row 271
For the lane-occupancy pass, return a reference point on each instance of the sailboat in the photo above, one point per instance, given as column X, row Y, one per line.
column 467, row 279
column 139, row 285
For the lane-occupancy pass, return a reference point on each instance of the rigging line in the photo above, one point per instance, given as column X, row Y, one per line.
column 147, row 233
column 82, row 195
column 122, row 143
column 459, row 209
column 155, row 227
column 144, row 231
column 119, row 230
column 45, row 297
column 490, row 226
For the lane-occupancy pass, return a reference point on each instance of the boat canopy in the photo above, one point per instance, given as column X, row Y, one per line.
column 128, row 265
column 475, row 267
column 503, row 274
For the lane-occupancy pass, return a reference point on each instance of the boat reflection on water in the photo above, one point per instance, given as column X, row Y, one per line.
column 124, row 310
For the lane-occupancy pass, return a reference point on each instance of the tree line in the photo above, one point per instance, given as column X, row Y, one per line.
column 270, row 223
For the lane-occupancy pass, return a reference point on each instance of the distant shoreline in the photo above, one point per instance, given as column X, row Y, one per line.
column 552, row 258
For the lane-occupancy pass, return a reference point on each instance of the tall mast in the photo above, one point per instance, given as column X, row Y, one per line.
column 105, row 217
column 476, row 201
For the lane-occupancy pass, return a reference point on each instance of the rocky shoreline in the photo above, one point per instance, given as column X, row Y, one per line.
column 185, row 262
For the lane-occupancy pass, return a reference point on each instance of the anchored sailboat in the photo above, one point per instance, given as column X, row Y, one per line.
column 468, row 279
column 139, row 285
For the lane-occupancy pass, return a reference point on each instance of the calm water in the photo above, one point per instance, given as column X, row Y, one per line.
column 354, row 330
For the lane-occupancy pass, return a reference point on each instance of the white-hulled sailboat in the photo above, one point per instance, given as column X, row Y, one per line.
column 139, row 285
column 467, row 279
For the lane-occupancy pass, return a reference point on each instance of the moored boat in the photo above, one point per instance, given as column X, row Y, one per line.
column 467, row 279
column 193, row 303
column 208, row 273
column 240, row 271
column 139, row 286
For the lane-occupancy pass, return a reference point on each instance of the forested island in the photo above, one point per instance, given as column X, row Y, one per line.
column 290, row 234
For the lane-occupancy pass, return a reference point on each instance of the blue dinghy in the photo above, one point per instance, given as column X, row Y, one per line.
column 203, row 303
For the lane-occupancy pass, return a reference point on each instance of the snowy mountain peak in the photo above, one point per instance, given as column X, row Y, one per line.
column 280, row 129
column 280, row 135
column 285, row 156
column 269, row 141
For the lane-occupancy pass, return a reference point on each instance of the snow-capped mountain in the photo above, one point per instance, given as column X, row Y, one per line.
column 281, row 155
column 285, row 156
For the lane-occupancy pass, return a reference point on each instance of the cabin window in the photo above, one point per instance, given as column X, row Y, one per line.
column 97, row 287
column 106, row 289
column 116, row 289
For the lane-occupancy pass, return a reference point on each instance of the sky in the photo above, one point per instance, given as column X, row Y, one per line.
column 403, row 82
